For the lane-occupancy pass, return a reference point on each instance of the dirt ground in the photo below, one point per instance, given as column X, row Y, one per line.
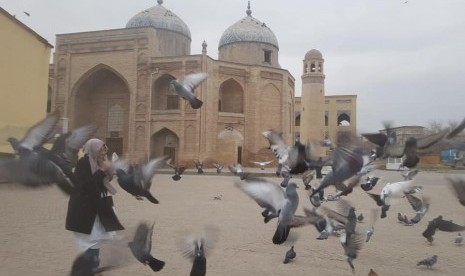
column 33, row 240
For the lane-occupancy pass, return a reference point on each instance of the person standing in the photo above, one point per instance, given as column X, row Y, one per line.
column 91, row 215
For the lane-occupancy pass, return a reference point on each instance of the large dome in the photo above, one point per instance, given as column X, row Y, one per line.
column 248, row 29
column 160, row 18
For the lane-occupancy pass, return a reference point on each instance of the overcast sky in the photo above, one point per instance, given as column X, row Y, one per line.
column 405, row 61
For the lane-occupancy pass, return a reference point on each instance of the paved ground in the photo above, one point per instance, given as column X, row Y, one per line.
column 33, row 240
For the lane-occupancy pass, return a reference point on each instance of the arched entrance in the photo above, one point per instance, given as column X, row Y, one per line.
column 102, row 99
column 229, row 146
column 164, row 142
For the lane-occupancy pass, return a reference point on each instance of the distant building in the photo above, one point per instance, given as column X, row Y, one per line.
column 24, row 91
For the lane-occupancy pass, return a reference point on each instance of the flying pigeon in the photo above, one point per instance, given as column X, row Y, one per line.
column 458, row 187
column 277, row 201
column 419, row 206
column 290, row 255
column 347, row 161
column 236, row 169
column 262, row 164
column 186, row 87
column 389, row 190
column 218, row 167
column 137, row 180
column 458, row 239
column 199, row 166
column 197, row 249
column 429, row 262
column 141, row 247
column 442, row 225
column 370, row 183
column 177, row 170
column 352, row 245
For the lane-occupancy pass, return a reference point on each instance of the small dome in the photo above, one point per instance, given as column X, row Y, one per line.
column 160, row 18
column 313, row 54
column 248, row 29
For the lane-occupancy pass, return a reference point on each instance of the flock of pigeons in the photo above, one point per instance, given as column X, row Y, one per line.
column 34, row 165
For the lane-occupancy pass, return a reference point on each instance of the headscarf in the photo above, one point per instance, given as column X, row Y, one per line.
column 92, row 148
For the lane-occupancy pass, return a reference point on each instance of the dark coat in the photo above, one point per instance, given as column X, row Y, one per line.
column 86, row 201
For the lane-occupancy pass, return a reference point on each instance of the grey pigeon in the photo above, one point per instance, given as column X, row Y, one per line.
column 262, row 164
column 306, row 179
column 324, row 235
column 290, row 255
column 177, row 170
column 199, row 167
column 218, row 167
column 141, row 247
column 400, row 217
column 409, row 174
column 458, row 187
column 137, row 180
column 429, row 262
column 186, row 87
column 442, row 225
column 370, row 233
column 285, row 181
column 419, row 206
column 458, row 239
column 347, row 162
column 352, row 246
column 34, row 165
column 237, row 169
column 197, row 249
column 277, row 201
column 370, row 183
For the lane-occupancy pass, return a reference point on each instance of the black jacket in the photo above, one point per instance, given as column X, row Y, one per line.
column 86, row 202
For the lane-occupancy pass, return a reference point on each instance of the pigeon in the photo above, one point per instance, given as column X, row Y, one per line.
column 218, row 167
column 370, row 233
column 372, row 272
column 177, row 171
column 347, row 161
column 346, row 216
column 409, row 174
column 352, row 245
column 26, row 13
column 360, row 217
column 137, row 180
column 290, row 255
column 197, row 248
column 400, row 218
column 429, row 262
column 370, row 183
column 306, row 179
column 390, row 189
column 458, row 239
column 199, row 166
column 262, row 164
column 34, row 165
column 186, row 87
column 141, row 247
column 458, row 187
column 277, row 201
column 285, row 181
column 293, row 159
column 236, row 169
column 442, row 225
column 419, row 206
column 412, row 190
column 218, row 197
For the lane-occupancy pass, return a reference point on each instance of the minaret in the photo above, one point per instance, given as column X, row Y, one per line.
column 312, row 124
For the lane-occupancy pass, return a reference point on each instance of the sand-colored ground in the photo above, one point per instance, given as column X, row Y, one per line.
column 33, row 240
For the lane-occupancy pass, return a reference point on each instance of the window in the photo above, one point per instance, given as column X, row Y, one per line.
column 267, row 56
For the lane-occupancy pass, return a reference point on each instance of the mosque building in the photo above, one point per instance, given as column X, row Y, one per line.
column 119, row 79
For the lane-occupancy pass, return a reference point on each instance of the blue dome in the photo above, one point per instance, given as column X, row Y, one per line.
column 248, row 29
column 160, row 18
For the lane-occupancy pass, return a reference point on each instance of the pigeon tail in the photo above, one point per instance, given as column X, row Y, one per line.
column 155, row 264
column 199, row 267
column 150, row 197
column 281, row 234
column 195, row 103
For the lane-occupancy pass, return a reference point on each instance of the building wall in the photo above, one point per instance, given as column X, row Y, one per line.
column 140, row 74
column 252, row 53
column 24, row 59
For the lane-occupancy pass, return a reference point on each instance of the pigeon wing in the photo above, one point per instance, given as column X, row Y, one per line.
column 191, row 81
column 456, row 130
column 267, row 195
column 449, row 226
column 429, row 140
column 458, row 186
column 148, row 170
column 376, row 138
column 41, row 132
column 415, row 202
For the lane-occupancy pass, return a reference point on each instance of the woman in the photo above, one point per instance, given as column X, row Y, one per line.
column 90, row 209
